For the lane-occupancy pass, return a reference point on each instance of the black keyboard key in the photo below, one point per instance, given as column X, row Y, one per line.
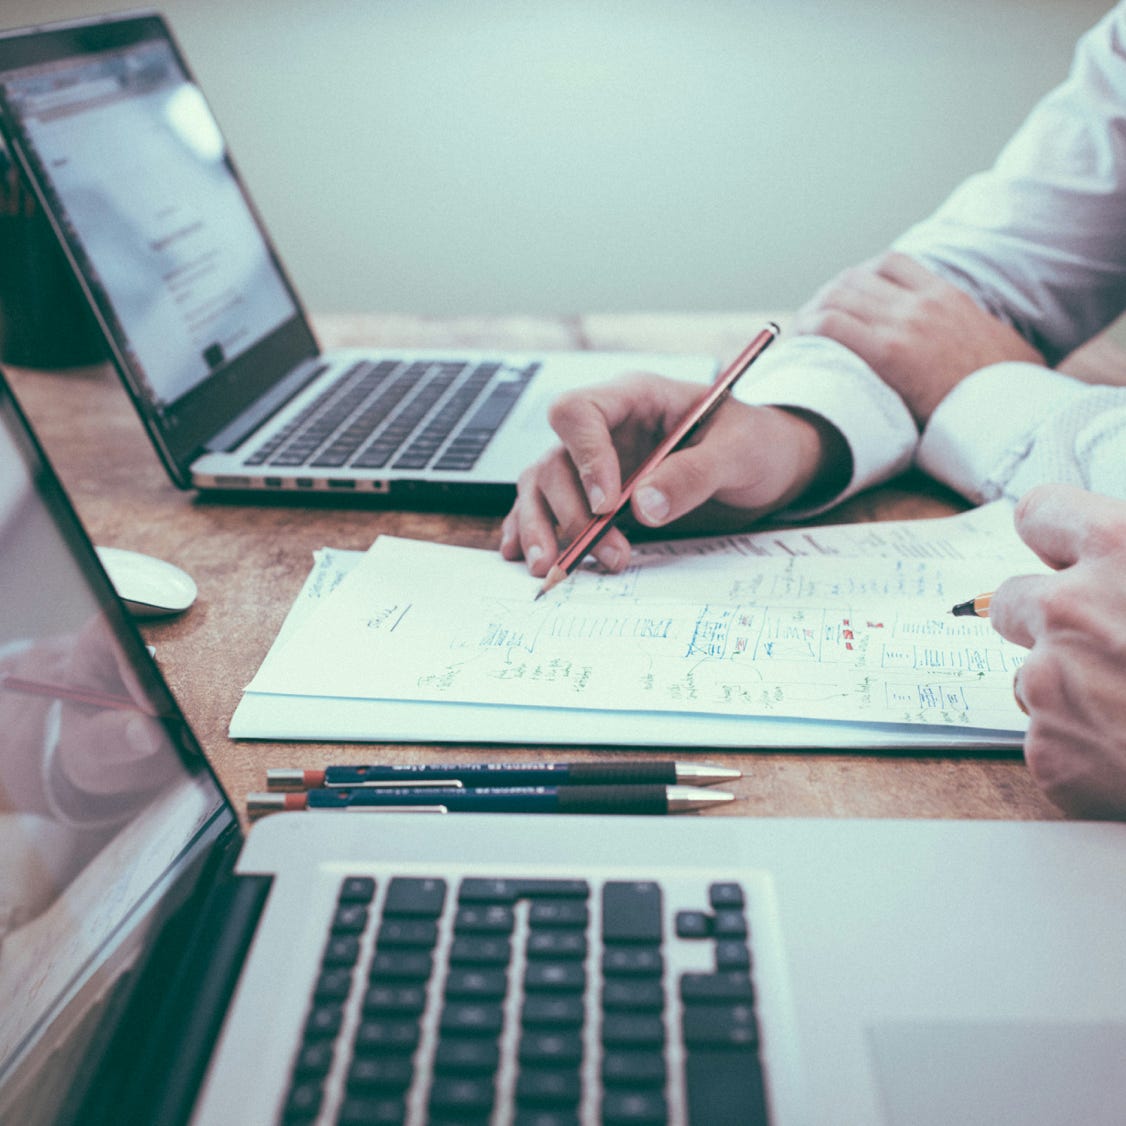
column 725, row 895
column 633, row 995
column 546, row 1010
column 633, row 961
column 564, row 913
column 716, row 988
column 469, row 1055
column 359, row 1111
column 303, row 1102
column 478, row 984
column 475, row 950
column 538, row 1086
column 397, row 1000
column 724, row 1087
column 380, row 1073
column 323, row 1022
column 508, row 891
column 461, row 1097
column 720, row 1026
column 545, row 1116
column 401, row 965
column 484, row 919
column 632, row 1030
column 625, row 1068
column 333, row 984
column 693, row 924
column 314, row 1059
column 556, row 944
column 555, row 977
column 386, row 1034
column 357, row 889
column 465, row 1018
column 731, row 955
column 407, row 933
column 648, row 1107
column 729, row 924
column 631, row 912
column 412, row 896
column 350, row 918
column 542, row 1048
column 342, row 950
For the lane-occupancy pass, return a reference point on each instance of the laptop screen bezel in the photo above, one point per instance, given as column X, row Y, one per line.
column 182, row 430
column 181, row 883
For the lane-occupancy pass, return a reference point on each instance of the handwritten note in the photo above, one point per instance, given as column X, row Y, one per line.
column 846, row 623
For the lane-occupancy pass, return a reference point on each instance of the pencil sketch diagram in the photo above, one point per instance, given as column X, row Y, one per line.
column 719, row 633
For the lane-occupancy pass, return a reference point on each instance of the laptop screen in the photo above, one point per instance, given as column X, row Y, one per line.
column 134, row 171
column 104, row 795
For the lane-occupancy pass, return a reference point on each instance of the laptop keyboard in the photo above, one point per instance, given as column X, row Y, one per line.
column 410, row 416
column 538, row 1002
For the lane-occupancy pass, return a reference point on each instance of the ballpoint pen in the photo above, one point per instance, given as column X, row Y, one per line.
column 599, row 525
column 625, row 772
column 974, row 607
column 494, row 799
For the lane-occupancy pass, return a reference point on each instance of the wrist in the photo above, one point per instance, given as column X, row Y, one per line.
column 824, row 461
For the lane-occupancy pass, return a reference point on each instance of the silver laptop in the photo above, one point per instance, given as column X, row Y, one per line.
column 157, row 967
column 116, row 138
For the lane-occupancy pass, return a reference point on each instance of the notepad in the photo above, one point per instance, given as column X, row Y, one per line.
column 830, row 637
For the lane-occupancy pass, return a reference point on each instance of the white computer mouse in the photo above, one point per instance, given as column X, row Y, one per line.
column 149, row 587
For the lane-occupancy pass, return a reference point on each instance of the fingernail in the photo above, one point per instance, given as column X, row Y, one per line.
column 654, row 505
column 534, row 554
column 609, row 557
column 596, row 498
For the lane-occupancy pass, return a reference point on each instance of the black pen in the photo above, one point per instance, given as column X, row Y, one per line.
column 495, row 799
column 627, row 772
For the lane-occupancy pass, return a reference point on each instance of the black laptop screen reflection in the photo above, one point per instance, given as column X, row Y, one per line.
column 96, row 804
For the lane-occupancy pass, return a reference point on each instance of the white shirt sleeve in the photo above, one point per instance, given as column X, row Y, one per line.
column 1011, row 426
column 823, row 377
column 1040, row 239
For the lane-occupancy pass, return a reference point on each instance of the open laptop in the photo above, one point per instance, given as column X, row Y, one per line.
column 157, row 967
column 206, row 330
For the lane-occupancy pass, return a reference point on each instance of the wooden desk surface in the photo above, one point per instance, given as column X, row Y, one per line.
column 249, row 561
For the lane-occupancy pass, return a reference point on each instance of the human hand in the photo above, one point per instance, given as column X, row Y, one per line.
column 920, row 334
column 743, row 463
column 96, row 750
column 1073, row 681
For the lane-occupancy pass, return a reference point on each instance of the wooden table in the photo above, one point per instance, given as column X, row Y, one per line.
column 249, row 561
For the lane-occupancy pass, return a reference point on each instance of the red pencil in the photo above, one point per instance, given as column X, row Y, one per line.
column 576, row 551
column 91, row 696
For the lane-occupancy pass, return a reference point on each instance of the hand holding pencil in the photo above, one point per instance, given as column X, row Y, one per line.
column 743, row 463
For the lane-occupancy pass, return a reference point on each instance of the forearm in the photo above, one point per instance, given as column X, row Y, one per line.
column 1040, row 239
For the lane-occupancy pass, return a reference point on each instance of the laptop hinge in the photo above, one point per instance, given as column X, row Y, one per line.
column 268, row 404
column 153, row 1068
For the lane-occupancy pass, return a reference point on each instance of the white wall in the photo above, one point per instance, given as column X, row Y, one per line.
column 490, row 156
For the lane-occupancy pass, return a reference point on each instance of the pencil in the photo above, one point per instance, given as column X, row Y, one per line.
column 576, row 551
column 91, row 696
column 975, row 607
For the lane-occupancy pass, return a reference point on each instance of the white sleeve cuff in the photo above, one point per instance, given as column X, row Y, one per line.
column 983, row 429
column 815, row 374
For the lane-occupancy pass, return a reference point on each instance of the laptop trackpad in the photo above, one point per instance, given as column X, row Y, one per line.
column 1030, row 1073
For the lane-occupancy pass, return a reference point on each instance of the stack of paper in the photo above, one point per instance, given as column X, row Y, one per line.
column 828, row 637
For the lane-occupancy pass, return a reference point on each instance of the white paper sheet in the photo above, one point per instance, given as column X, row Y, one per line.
column 834, row 636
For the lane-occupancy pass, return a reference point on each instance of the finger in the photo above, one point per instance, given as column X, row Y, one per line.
column 1016, row 610
column 904, row 271
column 585, row 421
column 1061, row 523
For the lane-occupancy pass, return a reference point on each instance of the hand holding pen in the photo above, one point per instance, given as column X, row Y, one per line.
column 743, row 463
